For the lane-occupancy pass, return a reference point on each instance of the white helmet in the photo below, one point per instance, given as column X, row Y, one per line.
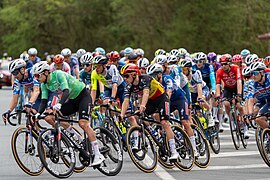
column 86, row 58
column 24, row 56
column 66, row 52
column 257, row 66
column 154, row 68
column 139, row 52
column 246, row 71
column 161, row 59
column 174, row 52
column 143, row 63
column 80, row 52
column 182, row 52
column 172, row 59
column 16, row 64
column 187, row 62
column 32, row 51
column 251, row 58
column 40, row 67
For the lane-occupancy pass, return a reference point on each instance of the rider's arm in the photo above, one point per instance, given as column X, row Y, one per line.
column 93, row 85
column 218, row 83
column 239, row 86
column 13, row 102
column 218, row 90
column 145, row 96
column 35, row 94
column 42, row 106
column 101, row 87
column 114, row 90
column 199, row 88
column 77, row 73
column 124, row 107
column 65, row 96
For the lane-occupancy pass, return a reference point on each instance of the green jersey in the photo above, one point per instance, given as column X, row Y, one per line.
column 59, row 81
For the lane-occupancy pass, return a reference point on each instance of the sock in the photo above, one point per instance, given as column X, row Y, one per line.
column 95, row 147
column 172, row 145
column 193, row 142
column 215, row 111
column 135, row 136
column 220, row 118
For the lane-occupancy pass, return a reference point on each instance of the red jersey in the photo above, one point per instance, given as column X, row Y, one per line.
column 229, row 79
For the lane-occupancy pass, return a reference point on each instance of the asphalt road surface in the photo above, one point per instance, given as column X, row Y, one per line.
column 229, row 164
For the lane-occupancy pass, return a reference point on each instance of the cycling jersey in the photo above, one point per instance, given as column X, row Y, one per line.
column 37, row 59
column 196, row 78
column 74, row 64
column 30, row 82
column 248, row 88
column 145, row 82
column 169, row 83
column 59, row 81
column 85, row 77
column 65, row 67
column 262, row 92
column 29, row 64
column 177, row 74
column 229, row 79
column 111, row 77
column 208, row 75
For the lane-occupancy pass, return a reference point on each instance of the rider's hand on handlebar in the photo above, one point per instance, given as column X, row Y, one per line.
column 57, row 107
column 217, row 99
column 5, row 116
column 239, row 97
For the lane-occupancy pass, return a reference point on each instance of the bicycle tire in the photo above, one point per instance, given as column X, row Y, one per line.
column 134, row 155
column 243, row 140
column 258, row 133
column 107, row 124
column 30, row 154
column 184, row 148
column 234, row 131
column 104, row 138
column 46, row 153
column 266, row 145
column 202, row 147
column 19, row 114
column 214, row 140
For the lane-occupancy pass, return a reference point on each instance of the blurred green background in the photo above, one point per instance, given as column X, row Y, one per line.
column 222, row 26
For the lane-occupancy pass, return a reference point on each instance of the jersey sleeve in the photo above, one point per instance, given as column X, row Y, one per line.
column 169, row 83
column 94, row 80
column 44, row 92
column 127, row 91
column 16, row 87
column 237, row 73
column 212, row 77
column 218, row 77
column 115, row 75
column 198, row 77
column 145, row 82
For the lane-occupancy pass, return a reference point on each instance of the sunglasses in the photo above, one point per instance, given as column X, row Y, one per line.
column 114, row 59
column 87, row 65
column 199, row 61
column 126, row 76
column 15, row 73
column 37, row 76
column 224, row 64
column 255, row 73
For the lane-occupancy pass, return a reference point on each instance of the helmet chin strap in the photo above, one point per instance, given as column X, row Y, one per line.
column 261, row 77
column 102, row 70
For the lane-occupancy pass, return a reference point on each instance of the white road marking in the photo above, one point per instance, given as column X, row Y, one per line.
column 235, row 153
column 249, row 166
column 231, row 143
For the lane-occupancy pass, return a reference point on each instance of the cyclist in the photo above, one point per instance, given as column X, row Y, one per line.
column 177, row 98
column 75, row 98
column 230, row 75
column 23, row 78
column 114, row 58
column 267, row 61
column 33, row 55
column 244, row 53
column 59, row 64
column 79, row 54
column 85, row 73
column 143, row 63
column 154, row 98
column 25, row 57
column 72, row 61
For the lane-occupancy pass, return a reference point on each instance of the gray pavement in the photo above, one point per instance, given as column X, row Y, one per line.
column 229, row 164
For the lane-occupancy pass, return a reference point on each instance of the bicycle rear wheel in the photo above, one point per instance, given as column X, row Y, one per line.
column 202, row 147
column 184, row 148
column 145, row 158
column 234, row 128
column 243, row 140
column 25, row 154
column 265, row 140
column 111, row 150
column 54, row 162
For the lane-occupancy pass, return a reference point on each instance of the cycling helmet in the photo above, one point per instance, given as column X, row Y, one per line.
column 100, row 50
column 172, row 59
column 225, row 58
column 130, row 68
column 237, row 58
column 212, row 57
column 80, row 52
column 86, row 58
column 127, row 51
column 143, row 63
column 154, row 69
column 16, row 64
column 267, row 60
column 40, row 67
column 201, row 56
column 24, row 56
column 66, row 52
column 132, row 56
column 246, row 71
column 139, row 52
column 122, row 53
column 114, row 55
column 257, row 66
column 187, row 62
column 251, row 58
column 161, row 59
column 100, row 60
column 32, row 51
column 174, row 52
column 245, row 53
column 58, row 59
column 182, row 52
column 160, row 52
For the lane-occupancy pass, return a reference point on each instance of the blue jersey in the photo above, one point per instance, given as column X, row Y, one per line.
column 262, row 92
column 37, row 60
column 74, row 64
column 248, row 89
column 208, row 75
column 120, row 65
column 30, row 82
column 85, row 77
column 169, row 83
column 29, row 64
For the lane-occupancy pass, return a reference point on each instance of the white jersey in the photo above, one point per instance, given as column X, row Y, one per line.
column 65, row 67
column 196, row 78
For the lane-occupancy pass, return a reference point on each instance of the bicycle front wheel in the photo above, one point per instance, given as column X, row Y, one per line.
column 55, row 160
column 25, row 153
column 265, row 144
column 145, row 157
column 234, row 128
column 258, row 134
column 214, row 140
